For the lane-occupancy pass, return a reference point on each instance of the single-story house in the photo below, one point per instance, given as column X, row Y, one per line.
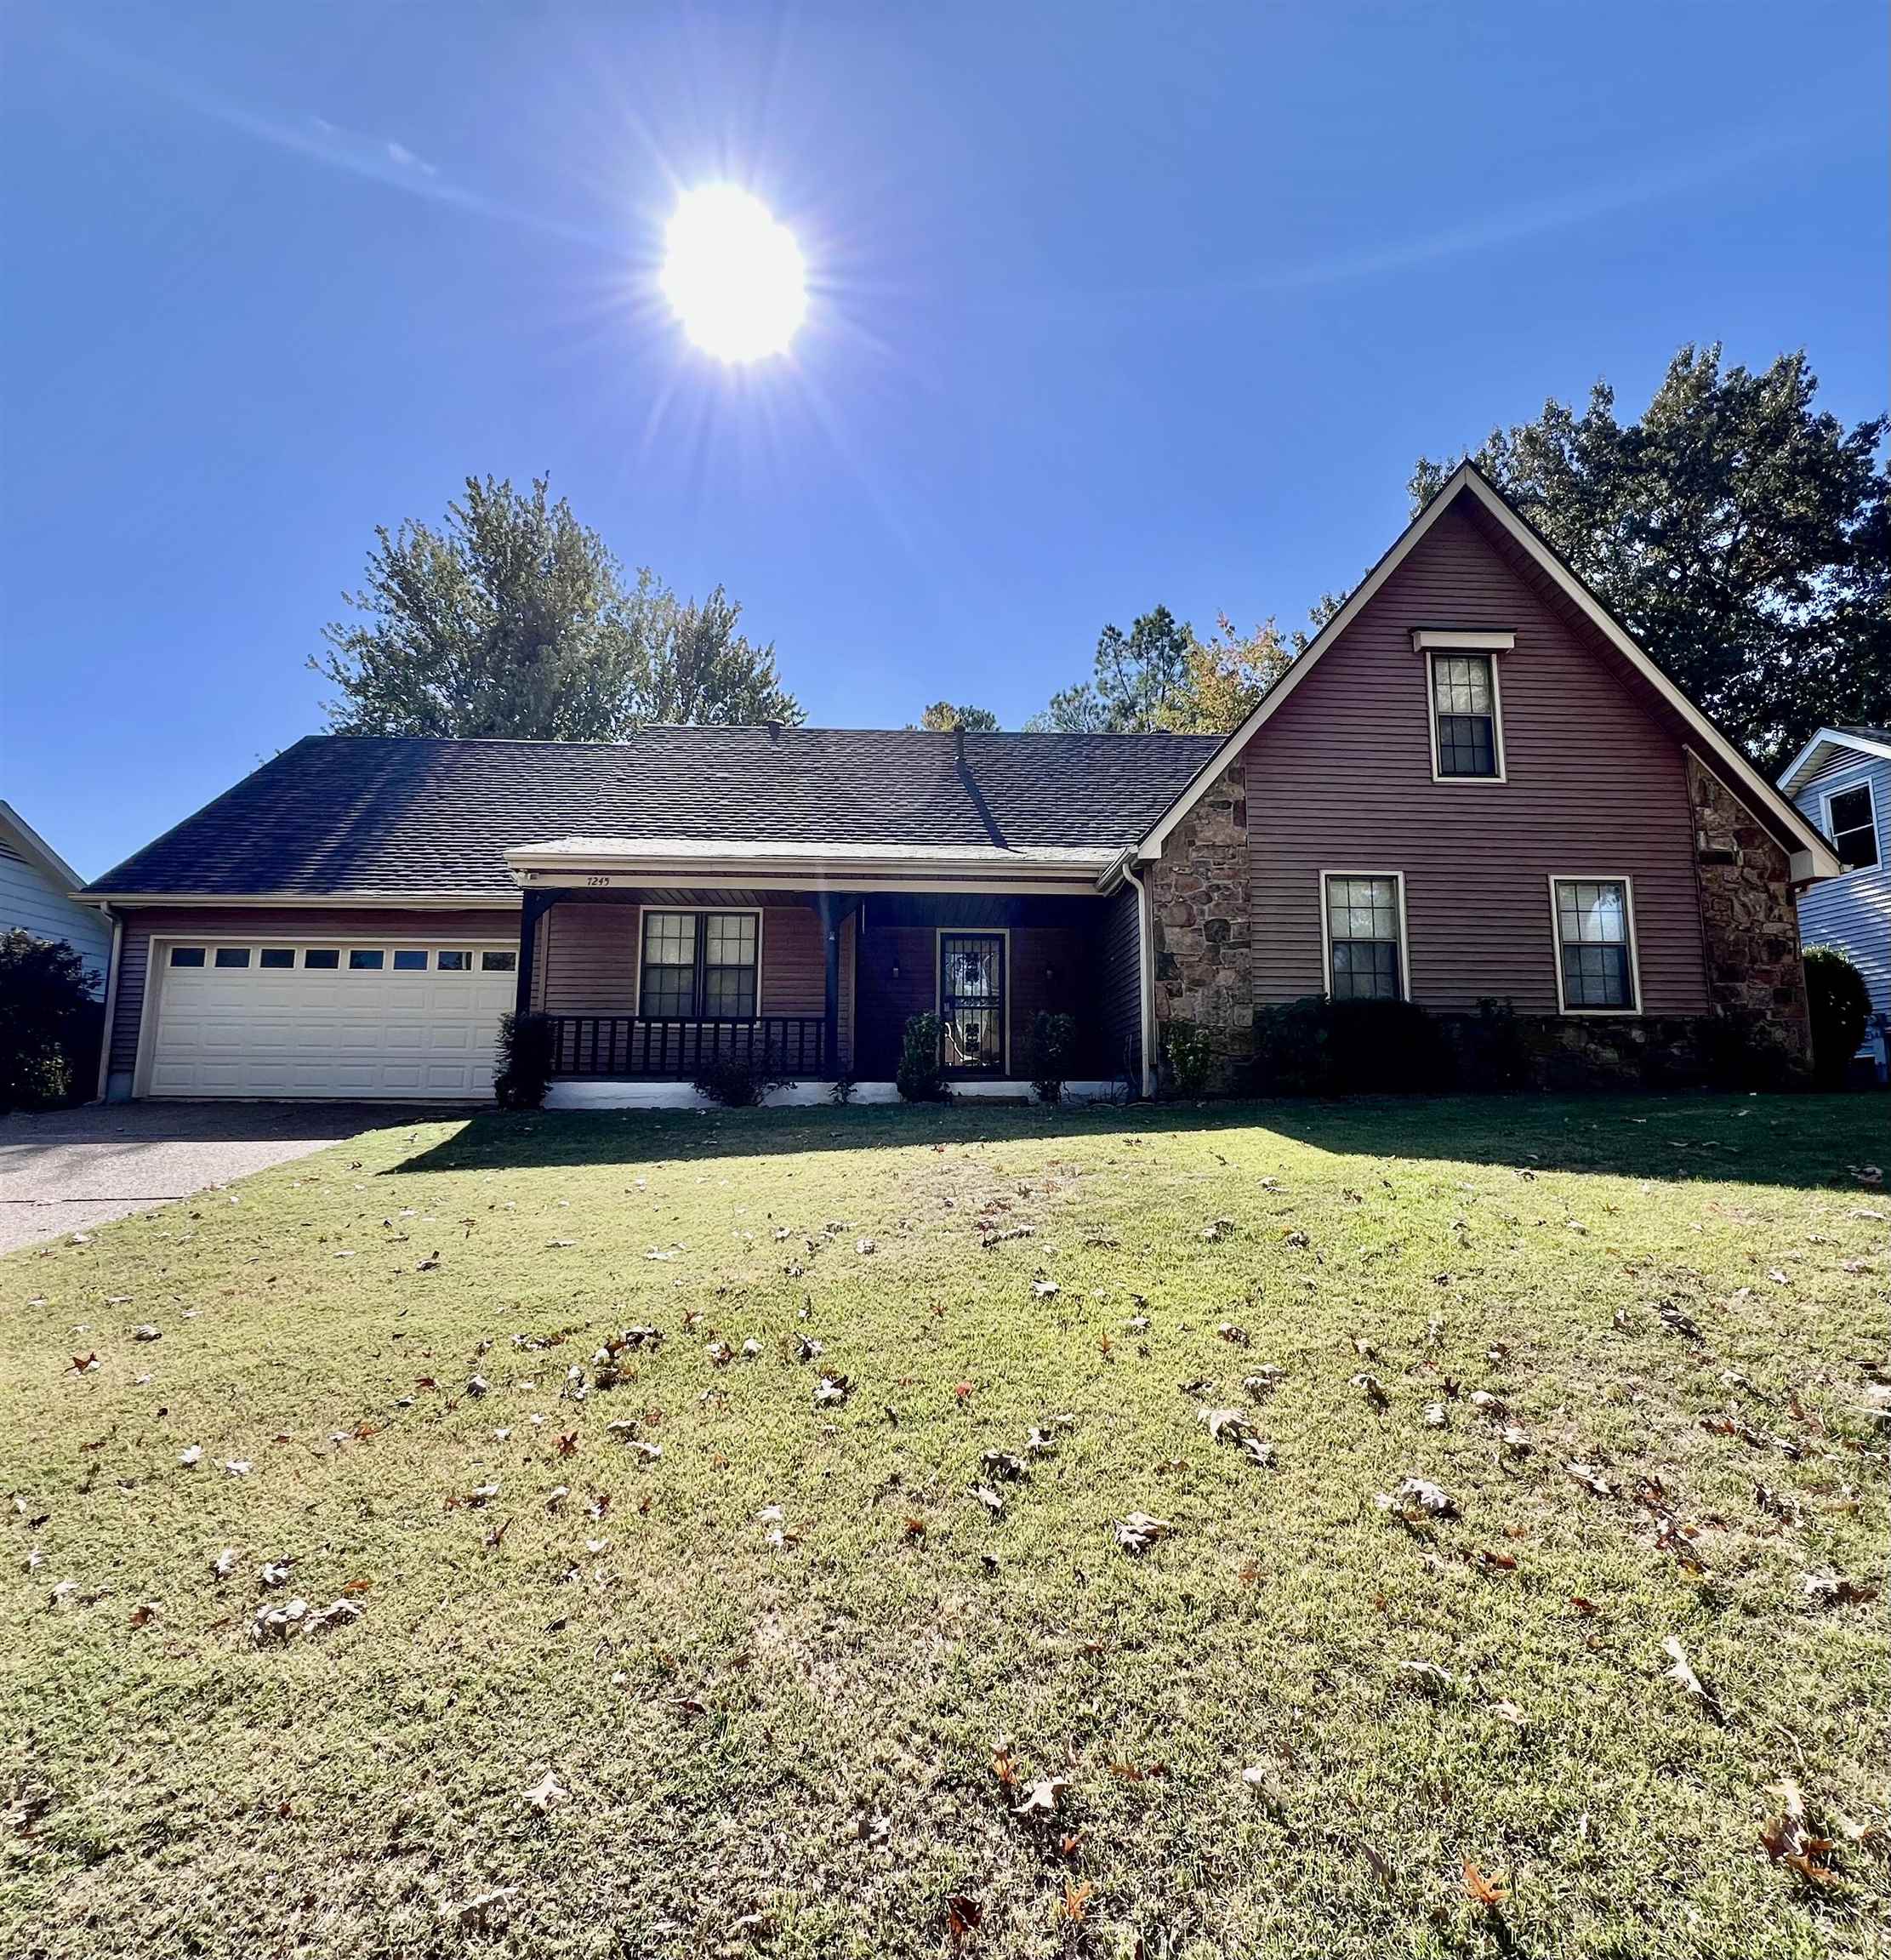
column 1472, row 783
column 1842, row 781
column 36, row 896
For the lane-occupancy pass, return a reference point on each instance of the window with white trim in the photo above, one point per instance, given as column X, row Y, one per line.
column 1464, row 715
column 1595, row 944
column 1365, row 953
column 699, row 965
column 1852, row 824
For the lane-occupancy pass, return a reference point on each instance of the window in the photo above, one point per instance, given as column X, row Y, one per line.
column 446, row 960
column 1464, row 708
column 668, row 987
column 1594, row 945
column 232, row 955
column 700, row 964
column 366, row 960
column 1365, row 936
column 321, row 960
column 1851, row 822
column 411, row 959
column 498, row 962
column 729, row 965
column 187, row 955
column 276, row 958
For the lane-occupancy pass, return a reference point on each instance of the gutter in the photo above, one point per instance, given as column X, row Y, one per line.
column 1144, row 975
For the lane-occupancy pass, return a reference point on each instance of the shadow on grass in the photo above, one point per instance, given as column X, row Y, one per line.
column 1805, row 1142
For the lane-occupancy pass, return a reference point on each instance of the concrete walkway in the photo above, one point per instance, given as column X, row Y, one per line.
column 63, row 1170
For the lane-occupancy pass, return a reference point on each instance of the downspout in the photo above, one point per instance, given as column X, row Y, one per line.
column 1145, row 974
column 111, row 999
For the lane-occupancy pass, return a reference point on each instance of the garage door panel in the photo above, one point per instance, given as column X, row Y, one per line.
column 337, row 1031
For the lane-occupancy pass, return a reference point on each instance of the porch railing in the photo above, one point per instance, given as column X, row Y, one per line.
column 628, row 1046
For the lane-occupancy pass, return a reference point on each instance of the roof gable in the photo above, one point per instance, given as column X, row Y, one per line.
column 1833, row 744
column 1812, row 855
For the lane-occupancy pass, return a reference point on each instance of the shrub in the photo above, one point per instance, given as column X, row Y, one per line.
column 1316, row 1046
column 840, row 1090
column 1053, row 1048
column 919, row 1077
column 1494, row 1053
column 49, row 1024
column 524, row 1073
column 1191, row 1059
column 739, row 1081
column 1841, row 1005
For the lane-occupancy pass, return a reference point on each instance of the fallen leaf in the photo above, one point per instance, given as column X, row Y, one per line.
column 1040, row 1798
column 546, row 1794
column 1679, row 1670
column 1790, row 1838
column 1416, row 1497
column 1489, row 1893
column 1138, row 1531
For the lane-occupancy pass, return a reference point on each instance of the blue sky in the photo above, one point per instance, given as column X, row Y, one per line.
column 1115, row 306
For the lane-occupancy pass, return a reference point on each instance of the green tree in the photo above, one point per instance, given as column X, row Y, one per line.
column 512, row 619
column 1132, row 676
column 1743, row 537
column 942, row 716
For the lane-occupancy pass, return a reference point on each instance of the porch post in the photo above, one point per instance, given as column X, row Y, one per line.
column 536, row 904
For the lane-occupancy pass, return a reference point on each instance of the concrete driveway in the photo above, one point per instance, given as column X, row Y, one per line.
column 63, row 1170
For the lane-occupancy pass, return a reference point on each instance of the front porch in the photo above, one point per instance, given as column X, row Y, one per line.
column 648, row 988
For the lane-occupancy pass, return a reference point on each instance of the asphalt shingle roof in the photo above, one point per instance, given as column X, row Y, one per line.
column 360, row 814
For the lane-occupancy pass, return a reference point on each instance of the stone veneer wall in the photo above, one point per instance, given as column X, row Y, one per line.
column 1749, row 920
column 1204, row 925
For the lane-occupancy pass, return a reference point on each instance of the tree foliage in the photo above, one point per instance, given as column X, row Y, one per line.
column 1132, row 675
column 1223, row 678
column 942, row 716
column 1742, row 536
column 1161, row 673
column 512, row 619
column 49, row 1022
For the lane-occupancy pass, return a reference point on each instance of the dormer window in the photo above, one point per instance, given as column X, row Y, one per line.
column 1466, row 715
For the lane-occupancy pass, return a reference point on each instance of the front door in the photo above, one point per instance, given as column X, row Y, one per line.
column 972, row 1001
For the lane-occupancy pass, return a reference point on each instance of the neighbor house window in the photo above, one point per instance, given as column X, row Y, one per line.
column 448, row 962
column 700, row 964
column 1595, row 946
column 1464, row 711
column 232, row 955
column 498, row 962
column 1852, row 821
column 1365, row 953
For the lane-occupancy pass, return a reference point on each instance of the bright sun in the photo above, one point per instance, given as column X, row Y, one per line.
column 733, row 274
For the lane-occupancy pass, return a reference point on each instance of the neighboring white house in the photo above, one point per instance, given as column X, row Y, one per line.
column 34, row 881
column 1842, row 780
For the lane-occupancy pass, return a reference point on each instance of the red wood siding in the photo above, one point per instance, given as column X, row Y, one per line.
column 1340, row 779
column 587, row 955
column 284, row 926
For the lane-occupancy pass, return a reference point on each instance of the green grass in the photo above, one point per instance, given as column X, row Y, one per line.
column 789, row 1749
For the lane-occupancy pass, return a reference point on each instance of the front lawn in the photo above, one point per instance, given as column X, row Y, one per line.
column 791, row 1687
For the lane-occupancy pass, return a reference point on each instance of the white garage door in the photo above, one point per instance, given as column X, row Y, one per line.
column 392, row 1019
